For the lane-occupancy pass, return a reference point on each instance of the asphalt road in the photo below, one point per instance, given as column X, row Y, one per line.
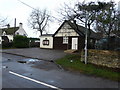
column 42, row 74
column 44, row 54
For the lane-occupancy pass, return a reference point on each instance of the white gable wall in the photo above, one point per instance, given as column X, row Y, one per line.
column 66, row 30
column 4, row 33
column 10, row 37
column 21, row 31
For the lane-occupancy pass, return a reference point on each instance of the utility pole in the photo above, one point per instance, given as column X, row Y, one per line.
column 86, row 35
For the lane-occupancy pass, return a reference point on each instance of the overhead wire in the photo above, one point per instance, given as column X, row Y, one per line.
column 34, row 8
column 26, row 4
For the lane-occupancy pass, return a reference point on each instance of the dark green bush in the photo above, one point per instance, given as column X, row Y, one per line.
column 21, row 41
column 34, row 44
column 7, row 44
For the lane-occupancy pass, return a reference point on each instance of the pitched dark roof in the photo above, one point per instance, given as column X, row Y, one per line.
column 79, row 29
column 34, row 39
column 47, row 34
column 10, row 31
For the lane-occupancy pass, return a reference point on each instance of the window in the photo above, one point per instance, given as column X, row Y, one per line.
column 45, row 42
column 65, row 40
column 17, row 33
column 11, row 40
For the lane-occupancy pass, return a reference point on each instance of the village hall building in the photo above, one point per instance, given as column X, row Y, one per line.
column 68, row 36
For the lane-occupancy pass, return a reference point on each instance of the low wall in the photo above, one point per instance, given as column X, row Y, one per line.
column 103, row 58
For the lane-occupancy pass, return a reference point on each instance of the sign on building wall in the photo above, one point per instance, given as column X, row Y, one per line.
column 46, row 42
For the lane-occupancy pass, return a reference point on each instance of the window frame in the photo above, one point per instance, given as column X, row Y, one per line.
column 65, row 40
column 45, row 42
column 17, row 33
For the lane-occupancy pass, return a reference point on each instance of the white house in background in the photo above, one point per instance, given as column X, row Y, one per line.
column 46, row 41
column 21, row 31
column 10, row 32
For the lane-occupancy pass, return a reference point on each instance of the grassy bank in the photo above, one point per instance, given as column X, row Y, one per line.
column 103, row 57
column 89, row 69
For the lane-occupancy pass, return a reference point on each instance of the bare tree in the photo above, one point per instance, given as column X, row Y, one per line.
column 2, row 21
column 101, row 13
column 39, row 19
column 84, row 13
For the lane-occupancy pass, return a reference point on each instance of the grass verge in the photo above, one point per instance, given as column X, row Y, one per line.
column 88, row 69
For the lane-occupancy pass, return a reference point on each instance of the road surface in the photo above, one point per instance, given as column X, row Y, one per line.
column 43, row 74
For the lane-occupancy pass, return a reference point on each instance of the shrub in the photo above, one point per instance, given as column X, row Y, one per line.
column 7, row 44
column 34, row 44
column 20, row 41
column 104, row 44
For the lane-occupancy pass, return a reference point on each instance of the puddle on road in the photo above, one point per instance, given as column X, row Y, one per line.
column 22, row 61
column 28, row 61
column 40, row 64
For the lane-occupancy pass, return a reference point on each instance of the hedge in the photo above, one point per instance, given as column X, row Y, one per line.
column 20, row 41
column 7, row 44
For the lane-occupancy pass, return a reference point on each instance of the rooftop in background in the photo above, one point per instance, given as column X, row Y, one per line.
column 34, row 39
column 9, row 30
column 78, row 28
column 47, row 34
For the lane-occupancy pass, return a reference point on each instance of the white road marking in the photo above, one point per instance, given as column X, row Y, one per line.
column 39, row 82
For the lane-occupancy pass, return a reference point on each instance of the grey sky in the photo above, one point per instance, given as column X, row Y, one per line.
column 14, row 9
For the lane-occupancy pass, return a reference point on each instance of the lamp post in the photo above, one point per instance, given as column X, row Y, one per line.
column 86, row 32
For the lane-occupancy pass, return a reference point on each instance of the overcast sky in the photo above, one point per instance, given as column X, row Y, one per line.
column 14, row 9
